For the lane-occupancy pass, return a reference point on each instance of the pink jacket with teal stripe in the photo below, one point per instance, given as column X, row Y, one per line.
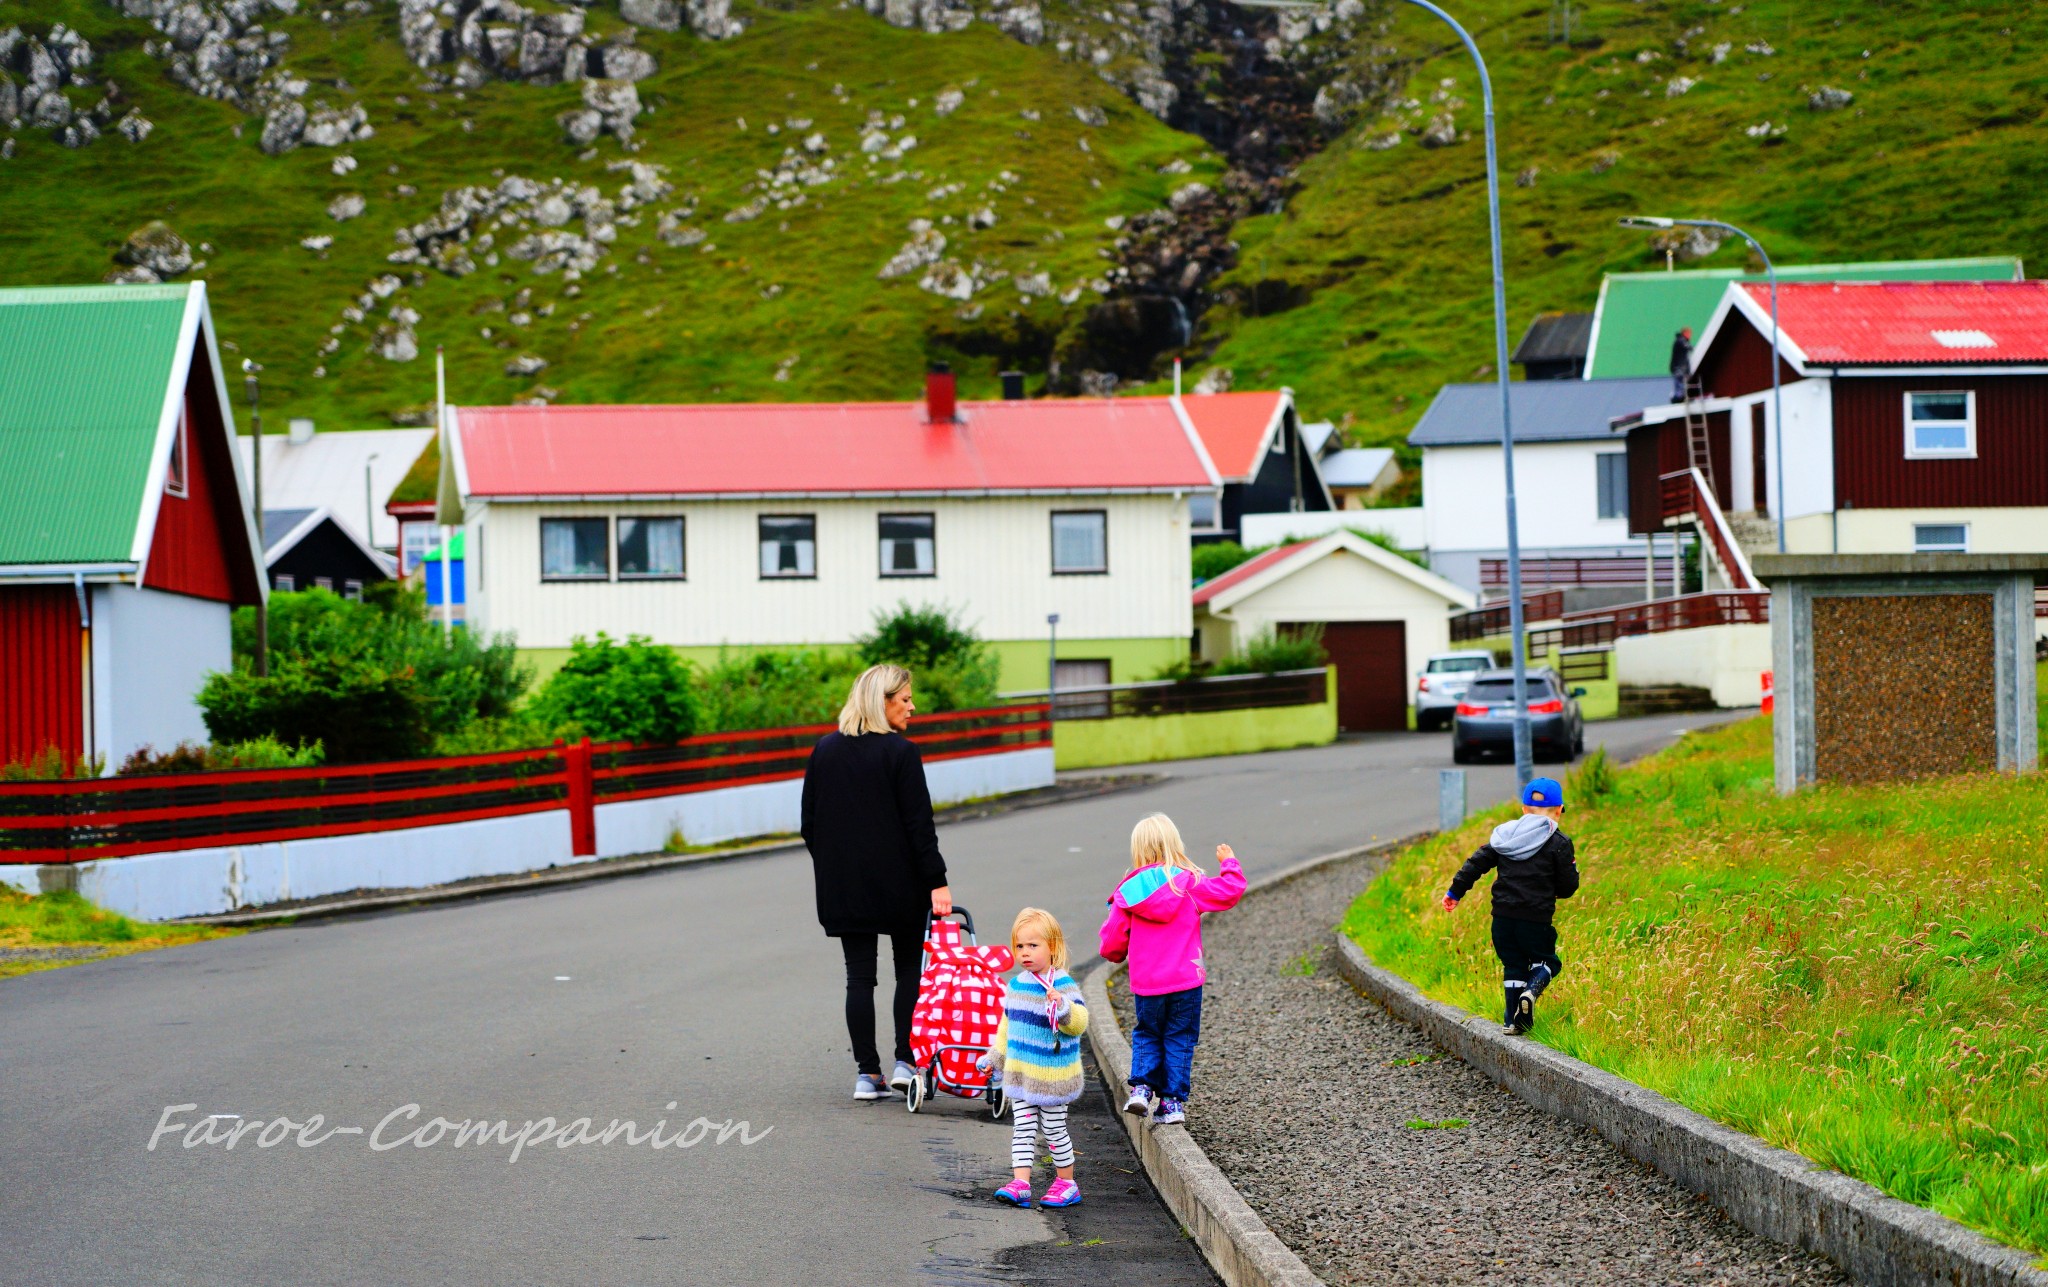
column 1155, row 922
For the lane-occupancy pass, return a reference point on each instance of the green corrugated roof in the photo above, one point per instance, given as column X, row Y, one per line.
column 1640, row 312
column 83, row 373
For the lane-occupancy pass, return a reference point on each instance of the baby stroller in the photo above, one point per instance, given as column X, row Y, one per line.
column 959, row 1004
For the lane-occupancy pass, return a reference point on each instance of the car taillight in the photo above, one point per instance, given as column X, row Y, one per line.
column 1471, row 708
column 1422, row 683
column 1555, row 706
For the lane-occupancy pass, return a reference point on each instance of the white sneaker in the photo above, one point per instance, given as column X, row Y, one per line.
column 869, row 1086
column 901, row 1078
column 1140, row 1102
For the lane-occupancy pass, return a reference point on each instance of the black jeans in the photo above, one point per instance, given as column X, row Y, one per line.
column 861, row 953
column 1520, row 945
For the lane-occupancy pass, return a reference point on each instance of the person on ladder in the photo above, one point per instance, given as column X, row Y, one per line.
column 1681, row 362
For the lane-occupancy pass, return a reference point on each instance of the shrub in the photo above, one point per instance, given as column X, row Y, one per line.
column 1214, row 558
column 636, row 691
column 1593, row 779
column 358, row 711
column 952, row 668
column 1268, row 653
column 50, row 765
column 191, row 757
column 775, row 688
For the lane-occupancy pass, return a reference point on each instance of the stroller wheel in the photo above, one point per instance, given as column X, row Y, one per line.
column 914, row 1097
column 998, row 1102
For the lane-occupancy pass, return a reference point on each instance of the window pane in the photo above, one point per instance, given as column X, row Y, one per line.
column 1613, row 484
column 908, row 547
column 1941, row 538
column 1453, row 665
column 789, row 545
column 1202, row 509
column 651, row 547
column 284, row 583
column 573, row 547
column 1941, row 406
column 1941, row 437
column 1079, row 542
column 1503, row 690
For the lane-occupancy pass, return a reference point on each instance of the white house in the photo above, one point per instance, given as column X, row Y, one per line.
column 1380, row 615
column 741, row 526
column 1571, row 481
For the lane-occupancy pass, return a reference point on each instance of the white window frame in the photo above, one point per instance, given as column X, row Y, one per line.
column 883, row 543
column 1969, row 422
column 178, row 472
column 761, row 547
column 1933, row 548
column 1215, row 524
column 1052, row 529
column 1600, row 459
column 416, row 538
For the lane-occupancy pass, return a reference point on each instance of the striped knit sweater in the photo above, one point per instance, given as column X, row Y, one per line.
column 1040, row 1062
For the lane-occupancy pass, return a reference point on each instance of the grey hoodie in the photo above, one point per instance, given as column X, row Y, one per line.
column 1522, row 837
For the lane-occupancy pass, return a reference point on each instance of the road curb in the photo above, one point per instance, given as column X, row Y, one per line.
column 1233, row 1239
column 1777, row 1194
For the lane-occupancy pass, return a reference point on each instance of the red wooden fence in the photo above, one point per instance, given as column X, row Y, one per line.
column 75, row 821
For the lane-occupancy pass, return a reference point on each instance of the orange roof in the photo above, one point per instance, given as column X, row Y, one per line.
column 1234, row 427
column 1245, row 571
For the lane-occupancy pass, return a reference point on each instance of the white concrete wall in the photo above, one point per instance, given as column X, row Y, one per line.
column 200, row 882
column 772, row 808
column 151, row 651
column 1340, row 587
column 1557, row 491
column 1728, row 660
column 1406, row 525
column 994, row 563
column 1809, row 449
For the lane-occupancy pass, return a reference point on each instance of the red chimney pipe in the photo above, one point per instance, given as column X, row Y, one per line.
column 938, row 395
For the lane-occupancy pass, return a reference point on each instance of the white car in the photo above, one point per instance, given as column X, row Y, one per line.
column 1443, row 682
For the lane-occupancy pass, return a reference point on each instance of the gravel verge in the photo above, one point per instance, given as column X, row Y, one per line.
column 1303, row 1095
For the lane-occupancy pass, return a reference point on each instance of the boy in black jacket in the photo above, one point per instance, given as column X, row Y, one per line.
column 1536, row 868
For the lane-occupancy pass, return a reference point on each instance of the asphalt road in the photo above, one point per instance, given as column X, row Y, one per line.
column 704, row 992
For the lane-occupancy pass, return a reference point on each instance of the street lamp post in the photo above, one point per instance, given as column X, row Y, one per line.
column 1777, row 404
column 1052, row 665
column 255, row 391
column 1524, row 764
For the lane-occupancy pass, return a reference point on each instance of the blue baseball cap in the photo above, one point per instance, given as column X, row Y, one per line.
column 1544, row 793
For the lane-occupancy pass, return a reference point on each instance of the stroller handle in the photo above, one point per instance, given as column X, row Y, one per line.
column 966, row 919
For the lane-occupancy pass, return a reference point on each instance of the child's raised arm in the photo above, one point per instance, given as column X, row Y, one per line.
column 1116, row 934
column 1220, row 892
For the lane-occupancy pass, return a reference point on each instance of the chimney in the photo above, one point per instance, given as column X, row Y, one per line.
column 1013, row 386
column 938, row 395
column 301, row 433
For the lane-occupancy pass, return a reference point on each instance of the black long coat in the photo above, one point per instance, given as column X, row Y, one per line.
column 867, row 820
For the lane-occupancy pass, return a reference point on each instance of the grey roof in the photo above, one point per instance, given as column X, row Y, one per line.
column 1316, row 435
column 278, row 524
column 1467, row 415
column 1554, row 337
column 1355, row 466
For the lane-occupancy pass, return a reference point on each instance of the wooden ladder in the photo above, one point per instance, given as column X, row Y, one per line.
column 1699, row 454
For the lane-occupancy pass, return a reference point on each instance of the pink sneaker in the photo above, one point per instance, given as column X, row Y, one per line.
column 1017, row 1193
column 1063, row 1193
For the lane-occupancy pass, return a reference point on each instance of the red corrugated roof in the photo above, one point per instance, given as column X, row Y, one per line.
column 1245, row 571
column 1233, row 426
column 798, row 448
column 1935, row 323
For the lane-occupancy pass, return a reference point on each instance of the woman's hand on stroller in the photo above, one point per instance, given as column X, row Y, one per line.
column 942, row 901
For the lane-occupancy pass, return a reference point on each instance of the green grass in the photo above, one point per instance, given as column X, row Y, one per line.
column 1854, row 974
column 66, row 920
column 684, row 324
column 1444, row 1124
column 1936, row 157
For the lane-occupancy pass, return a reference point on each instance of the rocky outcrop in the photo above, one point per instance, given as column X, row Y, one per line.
column 152, row 253
column 553, row 226
column 37, row 78
column 609, row 107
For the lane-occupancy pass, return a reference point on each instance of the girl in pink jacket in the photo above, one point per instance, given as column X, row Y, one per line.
column 1155, row 922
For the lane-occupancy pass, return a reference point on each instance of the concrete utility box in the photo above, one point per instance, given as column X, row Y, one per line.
column 1901, row 665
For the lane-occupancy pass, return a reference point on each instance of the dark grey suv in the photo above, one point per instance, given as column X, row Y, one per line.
column 1485, row 720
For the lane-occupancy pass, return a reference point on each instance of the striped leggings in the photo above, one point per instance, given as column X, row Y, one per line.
column 1027, row 1121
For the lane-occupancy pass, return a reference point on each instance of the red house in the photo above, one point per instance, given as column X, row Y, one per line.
column 125, row 539
column 1916, row 419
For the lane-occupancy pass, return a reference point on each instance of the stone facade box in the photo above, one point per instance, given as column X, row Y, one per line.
column 1902, row 665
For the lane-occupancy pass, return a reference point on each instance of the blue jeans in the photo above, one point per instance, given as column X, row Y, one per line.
column 1163, row 1046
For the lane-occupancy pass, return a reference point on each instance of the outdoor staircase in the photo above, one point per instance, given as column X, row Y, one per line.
column 1663, row 699
column 1754, row 533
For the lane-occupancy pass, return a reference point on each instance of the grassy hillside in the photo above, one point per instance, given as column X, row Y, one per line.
column 1937, row 155
column 791, row 291
column 1364, row 293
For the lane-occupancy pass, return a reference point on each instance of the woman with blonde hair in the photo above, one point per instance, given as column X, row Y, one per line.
column 867, row 820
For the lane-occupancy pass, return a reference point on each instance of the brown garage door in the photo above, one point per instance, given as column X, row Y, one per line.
column 1371, row 658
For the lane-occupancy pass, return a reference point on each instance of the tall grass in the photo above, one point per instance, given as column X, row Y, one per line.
column 1854, row 974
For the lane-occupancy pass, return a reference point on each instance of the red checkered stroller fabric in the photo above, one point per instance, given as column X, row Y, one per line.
column 959, row 1003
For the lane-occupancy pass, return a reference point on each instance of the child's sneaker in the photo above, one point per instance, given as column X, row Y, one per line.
column 1140, row 1102
column 1017, row 1193
column 1524, row 1017
column 1063, row 1193
column 1171, row 1112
